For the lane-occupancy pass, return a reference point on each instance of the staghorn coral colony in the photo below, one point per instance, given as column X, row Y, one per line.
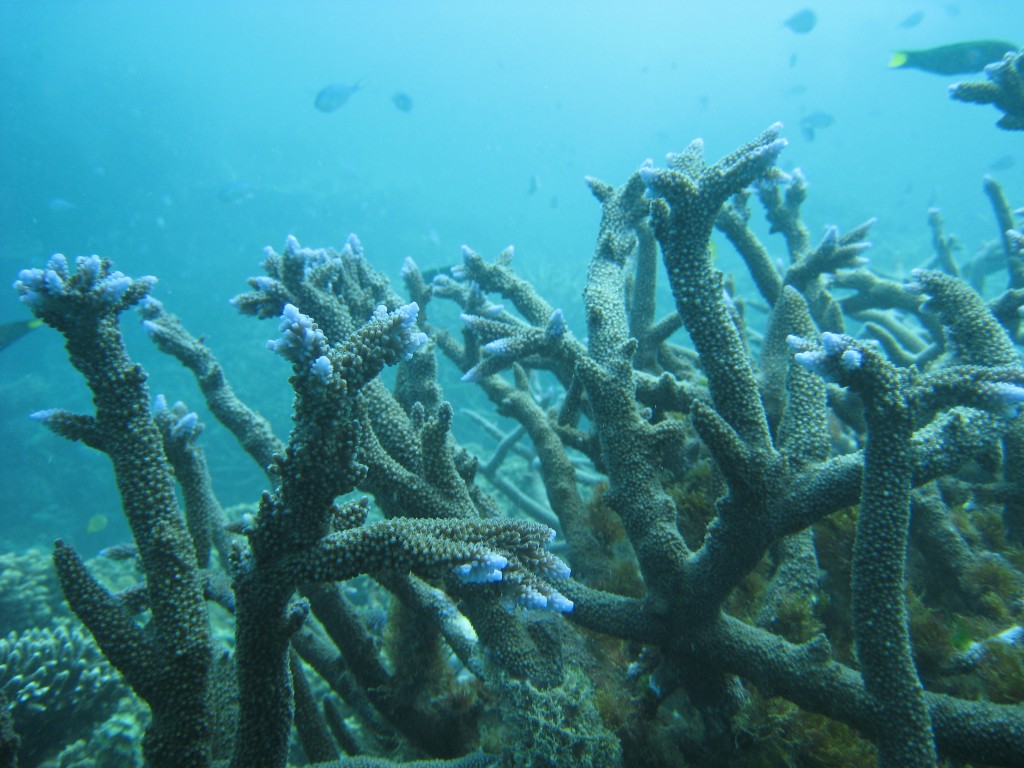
column 791, row 542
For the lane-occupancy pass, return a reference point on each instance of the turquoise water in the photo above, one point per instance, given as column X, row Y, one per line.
column 179, row 139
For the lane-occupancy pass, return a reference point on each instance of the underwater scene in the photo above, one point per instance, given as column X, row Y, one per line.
column 526, row 384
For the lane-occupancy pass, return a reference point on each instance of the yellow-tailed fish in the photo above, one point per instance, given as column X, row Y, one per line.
column 955, row 59
column 11, row 332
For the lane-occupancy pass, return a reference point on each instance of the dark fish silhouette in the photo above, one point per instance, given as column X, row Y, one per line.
column 912, row 20
column 955, row 59
column 11, row 332
column 402, row 101
column 335, row 95
column 815, row 122
column 801, row 22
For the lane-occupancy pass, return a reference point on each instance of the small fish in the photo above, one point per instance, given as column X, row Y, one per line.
column 335, row 96
column 11, row 332
column 801, row 22
column 402, row 101
column 912, row 20
column 60, row 205
column 120, row 552
column 236, row 192
column 96, row 524
column 955, row 59
column 534, row 185
column 1003, row 163
column 815, row 122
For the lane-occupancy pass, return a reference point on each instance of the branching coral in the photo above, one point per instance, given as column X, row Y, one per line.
column 727, row 588
column 1004, row 90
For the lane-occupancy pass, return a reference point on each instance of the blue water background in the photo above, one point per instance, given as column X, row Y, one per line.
column 180, row 138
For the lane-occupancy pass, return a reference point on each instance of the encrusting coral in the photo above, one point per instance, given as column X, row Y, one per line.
column 748, row 539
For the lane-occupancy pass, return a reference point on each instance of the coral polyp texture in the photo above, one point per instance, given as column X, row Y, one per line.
column 1004, row 90
column 801, row 534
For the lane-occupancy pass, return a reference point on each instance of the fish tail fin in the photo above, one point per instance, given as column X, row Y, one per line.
column 11, row 332
column 898, row 59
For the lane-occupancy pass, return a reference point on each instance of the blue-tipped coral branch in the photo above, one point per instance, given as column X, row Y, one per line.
column 169, row 665
column 749, row 536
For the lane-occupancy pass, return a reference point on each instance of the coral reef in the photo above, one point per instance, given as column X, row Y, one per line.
column 29, row 591
column 59, row 687
column 1004, row 90
column 797, row 539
